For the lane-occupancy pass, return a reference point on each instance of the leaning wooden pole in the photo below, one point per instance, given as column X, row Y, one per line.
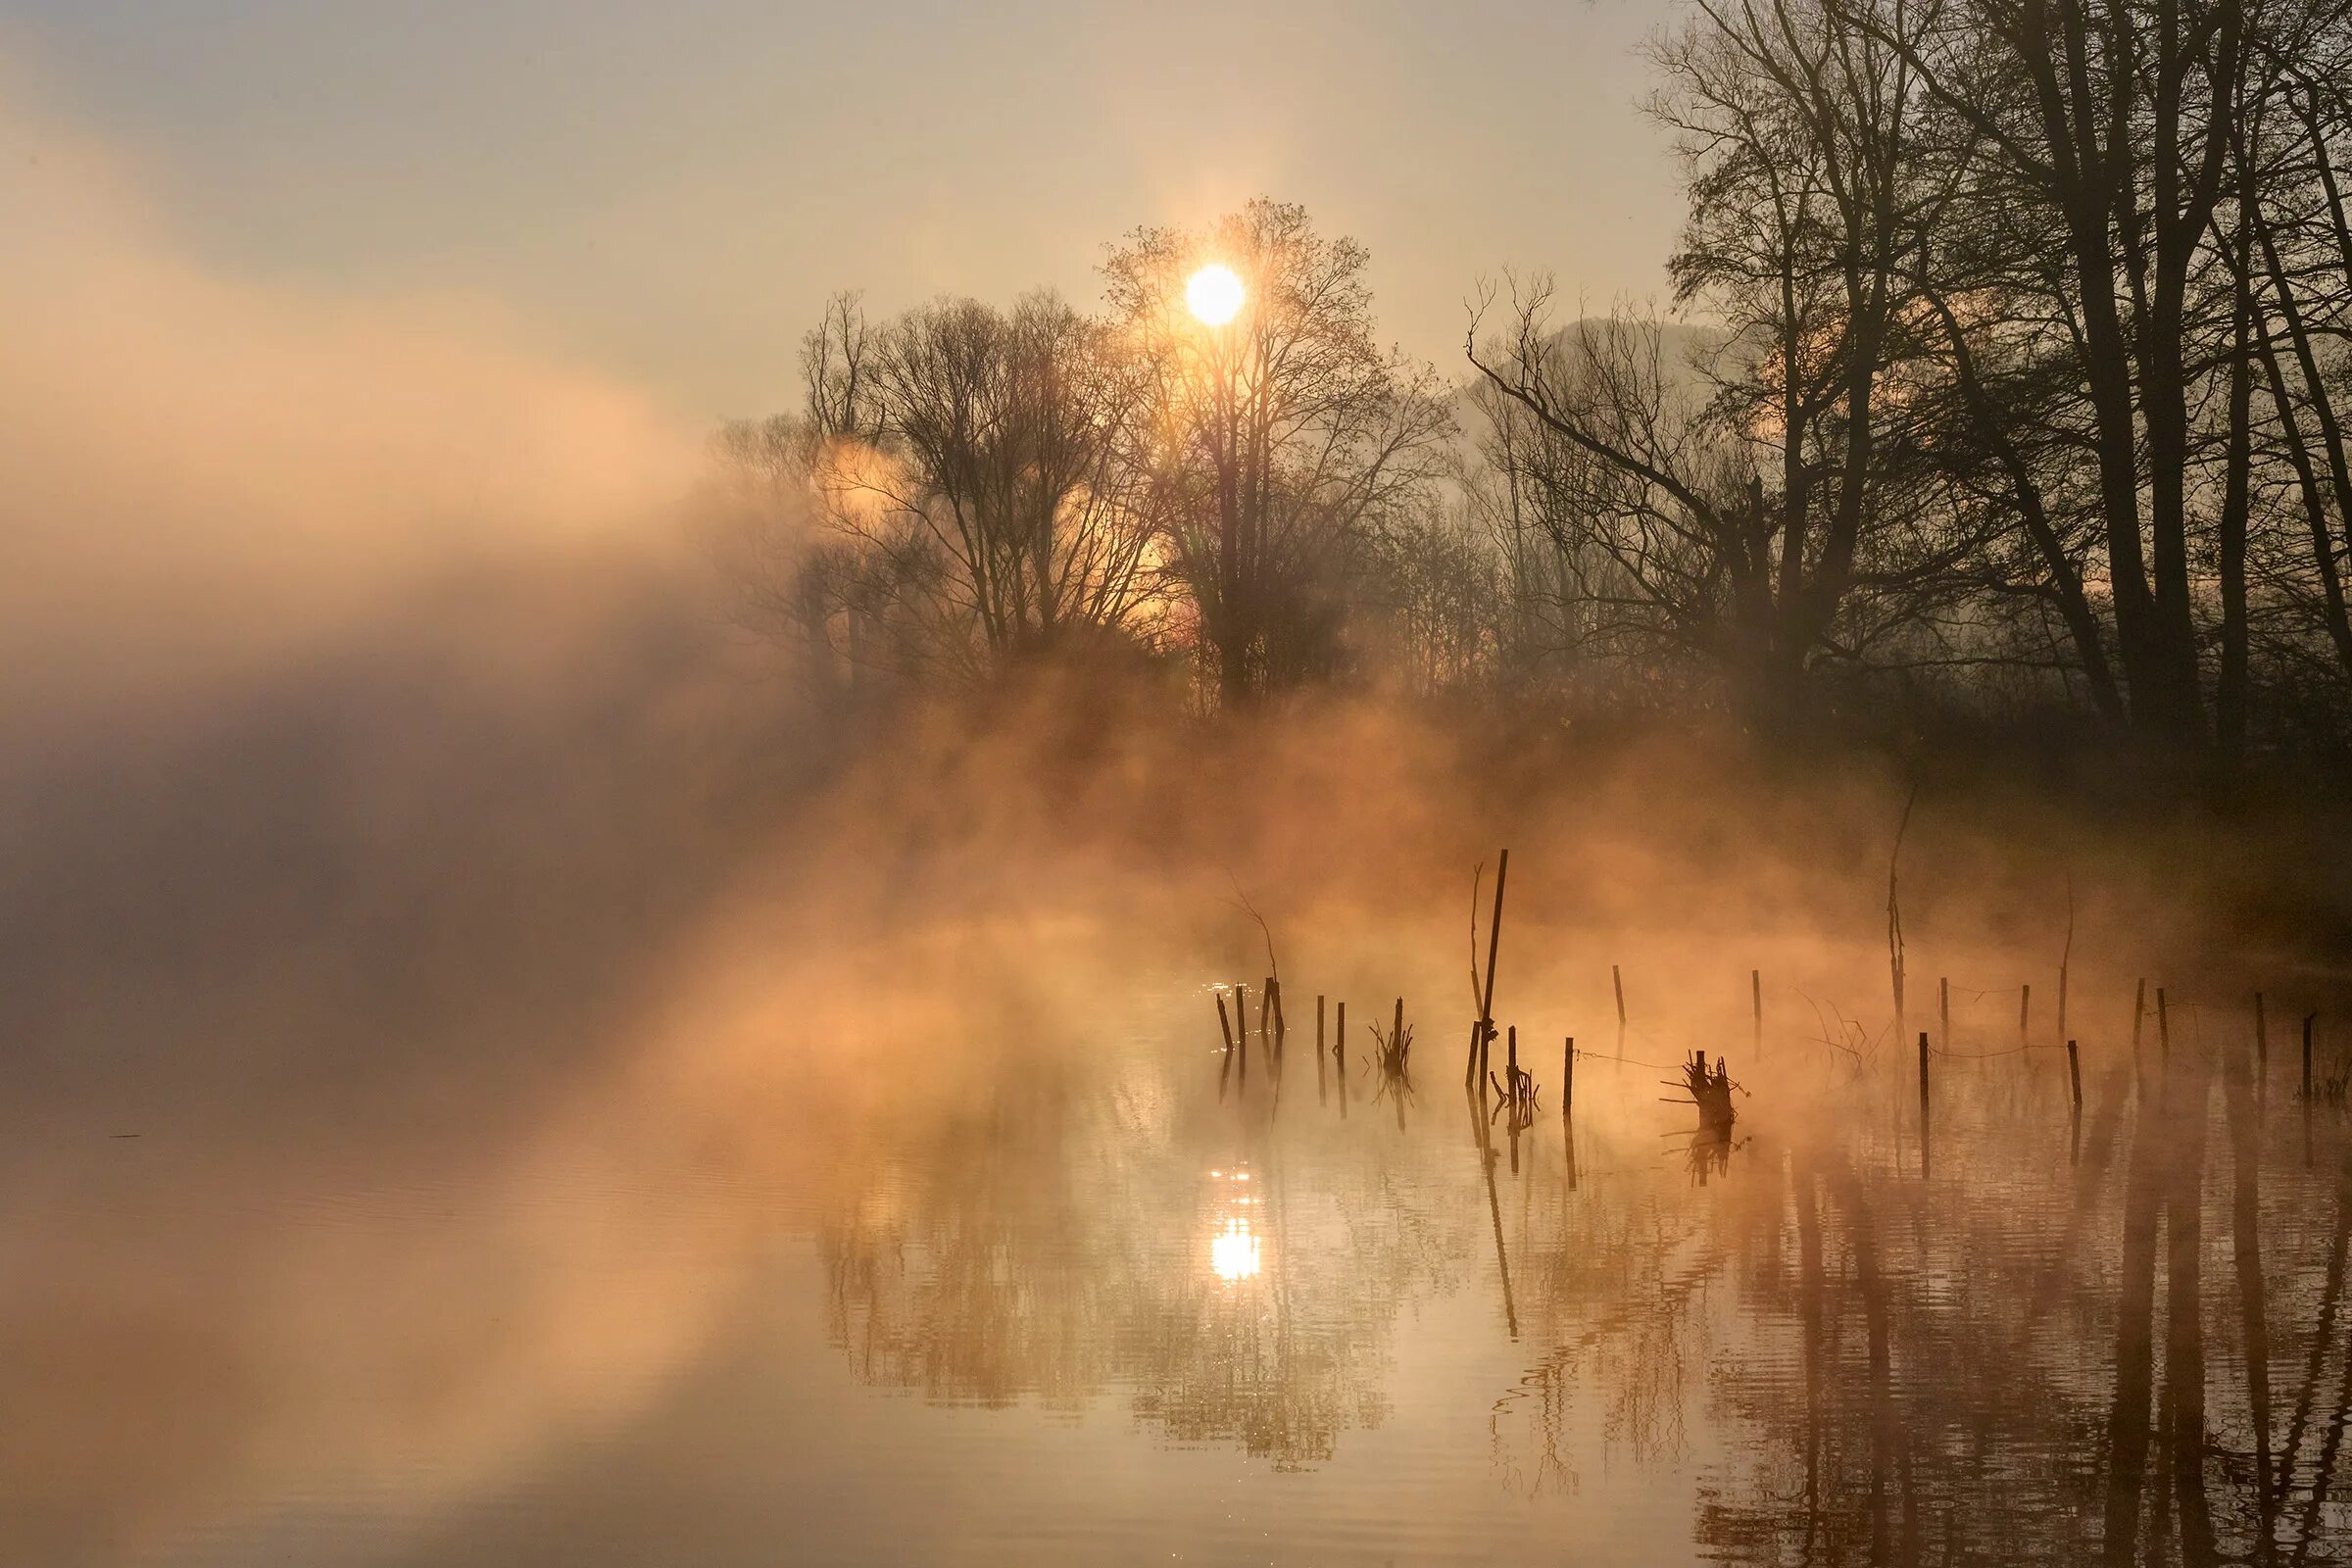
column 1485, row 1002
column 1567, row 1077
column 1225, row 1025
column 2073, row 1073
column 1617, row 979
column 1756, row 995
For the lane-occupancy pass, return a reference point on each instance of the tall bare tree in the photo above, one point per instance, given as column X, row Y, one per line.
column 1289, row 436
column 1747, row 529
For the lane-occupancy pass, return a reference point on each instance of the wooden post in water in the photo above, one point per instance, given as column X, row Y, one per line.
column 1224, row 1026
column 1755, row 993
column 1339, row 1054
column 1923, row 1102
column 2025, row 1008
column 1511, row 1064
column 1282, row 1028
column 1322, row 1068
column 1486, row 1004
column 2073, row 1073
column 2262, row 1046
column 2139, row 1013
column 2164, row 1027
column 1567, row 1077
column 1486, row 1040
column 1943, row 1008
column 1617, row 979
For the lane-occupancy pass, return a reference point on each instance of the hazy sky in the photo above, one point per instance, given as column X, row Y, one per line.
column 670, row 190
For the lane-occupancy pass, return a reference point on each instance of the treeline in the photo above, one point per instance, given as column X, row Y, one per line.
column 2022, row 391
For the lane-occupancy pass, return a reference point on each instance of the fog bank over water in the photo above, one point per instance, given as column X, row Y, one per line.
column 208, row 470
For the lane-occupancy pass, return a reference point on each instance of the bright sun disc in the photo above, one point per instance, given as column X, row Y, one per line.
column 1214, row 294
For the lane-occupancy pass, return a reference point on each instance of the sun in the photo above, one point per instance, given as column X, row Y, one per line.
column 1214, row 294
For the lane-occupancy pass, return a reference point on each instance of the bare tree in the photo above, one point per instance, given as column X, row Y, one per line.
column 982, row 466
column 1746, row 529
column 1288, row 436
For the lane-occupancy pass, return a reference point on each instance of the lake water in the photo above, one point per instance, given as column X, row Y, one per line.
column 1039, row 1273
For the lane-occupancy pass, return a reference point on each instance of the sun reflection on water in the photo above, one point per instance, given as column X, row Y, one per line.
column 1234, row 1251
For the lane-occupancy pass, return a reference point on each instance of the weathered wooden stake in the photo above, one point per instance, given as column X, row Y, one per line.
column 1923, row 1102
column 2073, row 1073
column 1282, row 1030
column 1617, row 979
column 1224, row 1026
column 1322, row 1067
column 2025, row 1008
column 1486, row 1040
column 2164, row 1025
column 2062, row 964
column 1486, row 1006
column 1567, row 1077
column 2139, row 1013
column 2262, row 1043
column 1755, row 992
column 1943, row 1009
column 1338, row 1053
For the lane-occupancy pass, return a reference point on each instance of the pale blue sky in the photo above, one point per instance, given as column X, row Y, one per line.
column 670, row 190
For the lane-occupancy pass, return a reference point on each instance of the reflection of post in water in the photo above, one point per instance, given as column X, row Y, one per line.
column 1485, row 1168
column 2184, row 1315
column 2325, row 1341
column 2241, row 1098
column 2128, row 1424
column 1890, row 1455
column 1812, row 1316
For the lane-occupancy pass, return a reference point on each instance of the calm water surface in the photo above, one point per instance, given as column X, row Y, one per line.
column 1121, row 1299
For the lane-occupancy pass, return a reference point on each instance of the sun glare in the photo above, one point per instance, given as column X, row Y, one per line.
column 1214, row 294
column 1233, row 1251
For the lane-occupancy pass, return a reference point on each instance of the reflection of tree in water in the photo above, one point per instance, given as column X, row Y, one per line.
column 1991, row 1368
column 1062, row 1242
column 1615, row 1276
column 2138, row 1358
